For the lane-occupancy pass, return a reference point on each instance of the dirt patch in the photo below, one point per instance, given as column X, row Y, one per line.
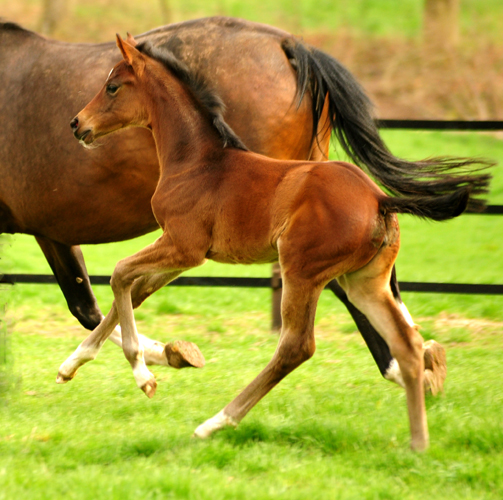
column 477, row 327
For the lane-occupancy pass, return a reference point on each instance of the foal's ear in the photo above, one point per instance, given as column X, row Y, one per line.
column 131, row 55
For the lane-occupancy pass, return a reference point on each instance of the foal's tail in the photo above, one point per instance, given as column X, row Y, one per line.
column 350, row 117
column 439, row 208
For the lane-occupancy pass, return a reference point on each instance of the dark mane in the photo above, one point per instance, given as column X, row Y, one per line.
column 10, row 26
column 206, row 96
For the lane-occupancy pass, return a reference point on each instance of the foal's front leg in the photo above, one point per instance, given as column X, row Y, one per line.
column 90, row 347
column 160, row 257
column 133, row 349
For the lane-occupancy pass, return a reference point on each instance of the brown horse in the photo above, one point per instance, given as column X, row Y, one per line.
column 216, row 200
column 65, row 196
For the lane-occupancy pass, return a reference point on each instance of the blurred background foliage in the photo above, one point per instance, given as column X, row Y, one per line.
column 416, row 58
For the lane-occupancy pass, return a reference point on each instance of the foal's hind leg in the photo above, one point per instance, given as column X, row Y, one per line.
column 369, row 290
column 296, row 345
column 434, row 354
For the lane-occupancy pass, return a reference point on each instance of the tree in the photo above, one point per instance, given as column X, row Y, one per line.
column 52, row 13
column 441, row 24
column 166, row 11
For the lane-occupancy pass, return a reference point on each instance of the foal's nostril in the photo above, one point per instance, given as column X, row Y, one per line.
column 74, row 124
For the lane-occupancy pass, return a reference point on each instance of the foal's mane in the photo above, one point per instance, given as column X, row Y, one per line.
column 208, row 99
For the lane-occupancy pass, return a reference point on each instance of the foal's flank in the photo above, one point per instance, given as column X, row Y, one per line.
column 216, row 200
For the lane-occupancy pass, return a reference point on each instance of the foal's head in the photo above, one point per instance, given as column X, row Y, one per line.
column 124, row 99
column 121, row 101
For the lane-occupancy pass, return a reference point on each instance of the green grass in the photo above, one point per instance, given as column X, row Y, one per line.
column 332, row 429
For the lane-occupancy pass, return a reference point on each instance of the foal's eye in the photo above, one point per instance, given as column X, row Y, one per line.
column 112, row 88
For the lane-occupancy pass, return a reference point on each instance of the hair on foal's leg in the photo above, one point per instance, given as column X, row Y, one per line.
column 122, row 283
column 296, row 345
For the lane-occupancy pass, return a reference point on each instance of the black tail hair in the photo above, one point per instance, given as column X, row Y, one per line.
column 439, row 207
column 351, row 118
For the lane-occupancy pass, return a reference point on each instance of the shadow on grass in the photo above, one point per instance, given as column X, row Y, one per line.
column 312, row 436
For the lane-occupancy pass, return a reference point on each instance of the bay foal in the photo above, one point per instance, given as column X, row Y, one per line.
column 215, row 200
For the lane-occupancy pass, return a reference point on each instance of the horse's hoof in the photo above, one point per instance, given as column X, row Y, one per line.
column 181, row 354
column 435, row 367
column 149, row 388
column 62, row 379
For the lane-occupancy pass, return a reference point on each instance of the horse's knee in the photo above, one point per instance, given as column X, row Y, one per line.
column 292, row 354
column 119, row 280
column 408, row 351
column 137, row 299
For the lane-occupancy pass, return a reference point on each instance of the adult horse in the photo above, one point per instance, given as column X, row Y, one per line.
column 277, row 92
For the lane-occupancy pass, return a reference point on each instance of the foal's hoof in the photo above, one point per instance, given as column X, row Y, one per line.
column 181, row 354
column 435, row 367
column 149, row 388
column 63, row 379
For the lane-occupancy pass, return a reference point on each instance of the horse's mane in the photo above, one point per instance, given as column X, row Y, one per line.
column 10, row 26
column 201, row 90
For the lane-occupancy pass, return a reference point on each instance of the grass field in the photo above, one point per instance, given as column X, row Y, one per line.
column 332, row 429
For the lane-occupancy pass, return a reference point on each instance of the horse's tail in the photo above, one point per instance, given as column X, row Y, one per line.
column 438, row 207
column 350, row 117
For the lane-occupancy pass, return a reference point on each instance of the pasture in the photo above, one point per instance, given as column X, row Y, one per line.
column 331, row 429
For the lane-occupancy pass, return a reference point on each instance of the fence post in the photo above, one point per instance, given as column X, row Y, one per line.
column 276, row 297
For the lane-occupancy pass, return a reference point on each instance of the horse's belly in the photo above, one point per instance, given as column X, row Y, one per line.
column 251, row 256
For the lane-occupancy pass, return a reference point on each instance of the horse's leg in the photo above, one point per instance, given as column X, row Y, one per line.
column 67, row 264
column 435, row 365
column 434, row 353
column 177, row 354
column 369, row 290
column 90, row 347
column 160, row 258
column 376, row 344
column 296, row 345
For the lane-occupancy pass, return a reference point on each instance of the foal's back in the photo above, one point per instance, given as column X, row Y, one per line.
column 252, row 200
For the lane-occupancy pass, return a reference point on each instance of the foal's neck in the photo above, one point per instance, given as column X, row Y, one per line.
column 182, row 129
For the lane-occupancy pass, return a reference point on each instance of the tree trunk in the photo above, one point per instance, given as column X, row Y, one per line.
column 441, row 24
column 52, row 13
column 166, row 12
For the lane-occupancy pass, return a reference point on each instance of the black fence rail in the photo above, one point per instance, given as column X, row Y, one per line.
column 272, row 283
column 459, row 125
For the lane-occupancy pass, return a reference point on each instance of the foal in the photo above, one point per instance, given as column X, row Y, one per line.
column 215, row 200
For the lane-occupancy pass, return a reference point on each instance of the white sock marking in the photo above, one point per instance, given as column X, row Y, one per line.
column 219, row 421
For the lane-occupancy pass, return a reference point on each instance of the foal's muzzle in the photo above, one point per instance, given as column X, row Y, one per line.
column 74, row 125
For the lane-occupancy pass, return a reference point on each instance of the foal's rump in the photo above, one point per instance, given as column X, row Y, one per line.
column 334, row 219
